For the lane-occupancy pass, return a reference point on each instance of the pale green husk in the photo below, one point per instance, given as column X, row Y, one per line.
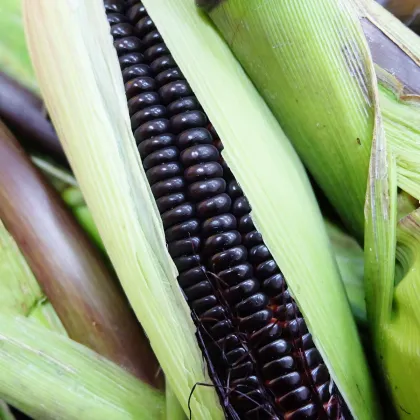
column 355, row 126
column 14, row 57
column 20, row 293
column 65, row 379
column 95, row 132
column 5, row 413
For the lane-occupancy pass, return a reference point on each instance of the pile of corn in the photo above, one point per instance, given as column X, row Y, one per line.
column 209, row 209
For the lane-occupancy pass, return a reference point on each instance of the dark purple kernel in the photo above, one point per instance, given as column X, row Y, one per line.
column 114, row 18
column 142, row 101
column 240, row 291
column 258, row 254
column 228, row 259
column 162, row 63
column 182, row 230
column 177, row 215
column 266, row 269
column 135, row 70
column 203, row 171
column 166, row 155
column 187, row 262
column 199, row 290
column 252, row 239
column 241, row 207
column 193, row 137
column 221, row 241
column 147, row 114
column 120, row 30
column 213, row 206
column 170, row 201
column 144, row 25
column 220, row 223
column 236, row 274
column 130, row 59
column 151, row 129
column 274, row 350
column 186, row 120
column 278, row 367
column 175, row 90
column 164, row 171
column 168, row 186
column 151, row 38
column 139, row 85
column 127, row 45
column 246, row 224
column 114, row 6
column 184, row 247
column 199, row 154
column 252, row 304
column 136, row 12
column 155, row 143
column 155, row 51
column 190, row 277
column 168, row 76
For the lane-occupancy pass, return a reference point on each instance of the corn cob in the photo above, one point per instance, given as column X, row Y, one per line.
column 366, row 76
column 218, row 216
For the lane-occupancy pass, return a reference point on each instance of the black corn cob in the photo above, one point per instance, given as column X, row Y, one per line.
column 258, row 345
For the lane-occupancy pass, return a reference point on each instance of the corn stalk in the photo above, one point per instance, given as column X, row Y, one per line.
column 342, row 78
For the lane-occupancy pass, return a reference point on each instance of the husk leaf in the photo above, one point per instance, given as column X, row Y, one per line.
column 307, row 59
column 20, row 293
column 71, row 381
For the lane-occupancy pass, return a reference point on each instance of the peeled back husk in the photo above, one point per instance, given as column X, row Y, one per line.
column 342, row 78
column 96, row 135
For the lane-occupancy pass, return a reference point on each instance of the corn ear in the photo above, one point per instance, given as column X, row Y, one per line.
column 95, row 132
column 71, row 381
column 342, row 79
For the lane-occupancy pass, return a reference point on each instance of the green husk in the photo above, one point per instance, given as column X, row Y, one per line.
column 349, row 256
column 20, row 293
column 173, row 409
column 14, row 57
column 324, row 68
column 5, row 413
column 49, row 376
column 96, row 136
